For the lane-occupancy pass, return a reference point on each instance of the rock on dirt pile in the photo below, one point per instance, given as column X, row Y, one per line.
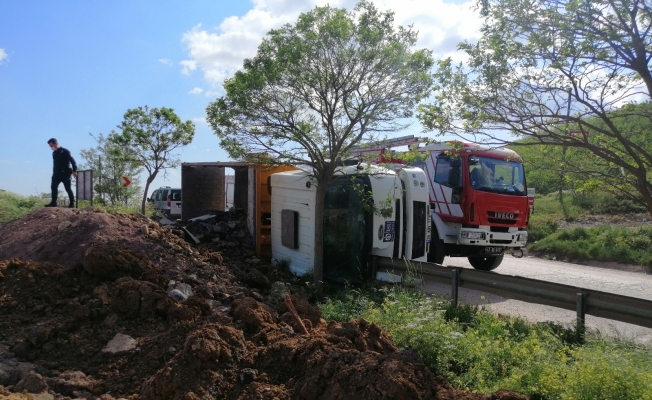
column 88, row 312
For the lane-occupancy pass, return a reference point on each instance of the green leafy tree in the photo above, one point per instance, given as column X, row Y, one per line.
column 149, row 138
column 559, row 72
column 317, row 88
column 110, row 163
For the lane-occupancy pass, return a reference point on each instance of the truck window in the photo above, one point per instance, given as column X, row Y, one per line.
column 497, row 176
column 175, row 195
column 445, row 174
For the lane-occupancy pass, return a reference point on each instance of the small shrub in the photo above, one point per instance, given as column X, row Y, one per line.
column 569, row 336
column 284, row 265
column 27, row 203
column 606, row 203
column 538, row 229
column 463, row 314
column 345, row 309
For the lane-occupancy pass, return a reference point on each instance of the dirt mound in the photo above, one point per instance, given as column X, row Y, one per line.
column 118, row 306
column 134, row 298
column 110, row 261
column 204, row 365
column 336, row 361
column 311, row 316
column 63, row 235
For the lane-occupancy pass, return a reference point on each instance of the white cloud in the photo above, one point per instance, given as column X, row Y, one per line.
column 196, row 90
column 199, row 120
column 165, row 61
column 3, row 55
column 188, row 66
column 219, row 52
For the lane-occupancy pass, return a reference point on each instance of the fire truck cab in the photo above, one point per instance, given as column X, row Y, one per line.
column 478, row 200
column 478, row 197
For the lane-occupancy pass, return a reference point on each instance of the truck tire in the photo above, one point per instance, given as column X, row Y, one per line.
column 437, row 250
column 486, row 263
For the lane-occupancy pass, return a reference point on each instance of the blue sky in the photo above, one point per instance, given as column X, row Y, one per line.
column 70, row 68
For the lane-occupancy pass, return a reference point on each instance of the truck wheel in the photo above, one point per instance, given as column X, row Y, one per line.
column 437, row 251
column 486, row 263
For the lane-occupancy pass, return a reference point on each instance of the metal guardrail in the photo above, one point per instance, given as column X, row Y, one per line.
column 583, row 301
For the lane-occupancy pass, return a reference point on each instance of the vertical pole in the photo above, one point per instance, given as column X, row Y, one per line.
column 77, row 191
column 581, row 314
column 454, row 286
column 99, row 177
column 92, row 188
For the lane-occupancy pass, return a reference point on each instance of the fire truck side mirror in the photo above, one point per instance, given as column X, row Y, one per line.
column 456, row 198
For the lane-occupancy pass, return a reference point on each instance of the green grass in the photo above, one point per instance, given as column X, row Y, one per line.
column 13, row 206
column 549, row 207
column 547, row 211
column 602, row 243
column 480, row 352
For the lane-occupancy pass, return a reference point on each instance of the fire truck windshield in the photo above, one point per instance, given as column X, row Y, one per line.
column 497, row 176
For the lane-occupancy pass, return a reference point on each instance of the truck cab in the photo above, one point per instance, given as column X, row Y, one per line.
column 368, row 210
column 479, row 202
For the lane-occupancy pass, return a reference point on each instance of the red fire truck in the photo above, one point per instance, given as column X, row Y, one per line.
column 478, row 198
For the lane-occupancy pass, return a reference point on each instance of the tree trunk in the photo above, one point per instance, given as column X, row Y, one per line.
column 561, row 180
column 150, row 179
column 644, row 189
column 144, row 201
column 318, row 270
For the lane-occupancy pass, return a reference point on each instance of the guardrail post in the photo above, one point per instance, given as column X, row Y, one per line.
column 455, row 285
column 581, row 313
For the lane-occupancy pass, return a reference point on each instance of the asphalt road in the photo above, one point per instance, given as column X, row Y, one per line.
column 631, row 284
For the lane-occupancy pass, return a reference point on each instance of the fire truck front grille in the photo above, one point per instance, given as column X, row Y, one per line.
column 500, row 241
column 501, row 229
column 502, row 221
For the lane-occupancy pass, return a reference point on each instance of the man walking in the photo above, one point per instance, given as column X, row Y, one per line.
column 64, row 167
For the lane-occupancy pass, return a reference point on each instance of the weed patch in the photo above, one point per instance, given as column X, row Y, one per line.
column 481, row 352
column 603, row 243
column 13, row 205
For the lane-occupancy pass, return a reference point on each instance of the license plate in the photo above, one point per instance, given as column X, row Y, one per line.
column 493, row 250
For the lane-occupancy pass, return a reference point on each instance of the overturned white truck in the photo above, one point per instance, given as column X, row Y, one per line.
column 353, row 231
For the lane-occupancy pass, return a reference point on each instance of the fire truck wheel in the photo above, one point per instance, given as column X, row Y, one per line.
column 486, row 263
column 436, row 253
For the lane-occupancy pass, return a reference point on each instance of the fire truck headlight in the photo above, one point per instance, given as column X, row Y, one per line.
column 522, row 237
column 471, row 235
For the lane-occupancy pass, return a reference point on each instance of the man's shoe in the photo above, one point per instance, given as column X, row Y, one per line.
column 71, row 206
column 50, row 205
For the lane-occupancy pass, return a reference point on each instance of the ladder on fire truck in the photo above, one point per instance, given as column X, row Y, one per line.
column 380, row 148
column 382, row 145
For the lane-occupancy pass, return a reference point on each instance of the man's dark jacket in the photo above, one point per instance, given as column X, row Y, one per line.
column 63, row 162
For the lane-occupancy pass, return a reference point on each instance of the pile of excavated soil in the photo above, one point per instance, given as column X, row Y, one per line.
column 115, row 306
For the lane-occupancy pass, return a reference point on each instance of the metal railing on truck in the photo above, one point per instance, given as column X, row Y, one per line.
column 583, row 301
